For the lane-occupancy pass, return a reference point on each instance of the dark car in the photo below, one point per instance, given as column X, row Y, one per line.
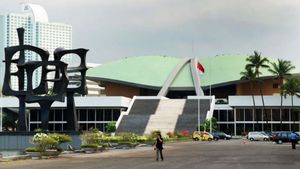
column 283, row 136
column 221, row 135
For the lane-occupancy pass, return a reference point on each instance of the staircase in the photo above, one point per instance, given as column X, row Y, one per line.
column 166, row 115
column 147, row 115
column 188, row 120
column 138, row 117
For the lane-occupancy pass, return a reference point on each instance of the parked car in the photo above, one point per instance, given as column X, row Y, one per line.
column 202, row 135
column 257, row 135
column 283, row 136
column 221, row 135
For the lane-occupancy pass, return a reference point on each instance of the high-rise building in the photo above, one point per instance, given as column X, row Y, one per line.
column 38, row 32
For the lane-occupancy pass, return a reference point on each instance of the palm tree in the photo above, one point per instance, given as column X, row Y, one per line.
column 257, row 62
column 281, row 70
column 292, row 88
column 250, row 76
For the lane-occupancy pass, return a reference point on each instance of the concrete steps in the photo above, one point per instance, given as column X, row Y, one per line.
column 165, row 115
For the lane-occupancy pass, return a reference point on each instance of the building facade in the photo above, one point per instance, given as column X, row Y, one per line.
column 39, row 32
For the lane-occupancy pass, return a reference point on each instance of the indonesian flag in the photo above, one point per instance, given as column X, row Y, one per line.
column 200, row 68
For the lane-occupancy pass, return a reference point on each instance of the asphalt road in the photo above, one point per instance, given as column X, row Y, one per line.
column 189, row 155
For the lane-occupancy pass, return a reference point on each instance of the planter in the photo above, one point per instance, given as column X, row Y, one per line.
column 34, row 155
column 51, row 153
column 89, row 150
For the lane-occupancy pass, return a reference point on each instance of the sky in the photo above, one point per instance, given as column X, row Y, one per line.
column 114, row 29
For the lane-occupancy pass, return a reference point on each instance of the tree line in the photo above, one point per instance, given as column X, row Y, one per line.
column 281, row 70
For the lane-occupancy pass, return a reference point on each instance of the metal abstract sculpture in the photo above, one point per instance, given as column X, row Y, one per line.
column 40, row 94
column 80, row 89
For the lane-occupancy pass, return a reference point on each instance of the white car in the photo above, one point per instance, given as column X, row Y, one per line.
column 256, row 135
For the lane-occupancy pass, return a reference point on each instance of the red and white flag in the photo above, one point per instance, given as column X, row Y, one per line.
column 200, row 68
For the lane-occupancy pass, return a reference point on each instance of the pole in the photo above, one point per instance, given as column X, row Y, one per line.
column 198, row 127
column 210, row 124
column 1, row 113
column 1, row 105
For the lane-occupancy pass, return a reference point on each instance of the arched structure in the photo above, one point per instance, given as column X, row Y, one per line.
column 195, row 76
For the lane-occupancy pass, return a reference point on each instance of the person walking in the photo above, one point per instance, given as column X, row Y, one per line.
column 293, row 139
column 159, row 147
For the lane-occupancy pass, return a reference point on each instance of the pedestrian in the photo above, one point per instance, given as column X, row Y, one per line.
column 159, row 147
column 293, row 139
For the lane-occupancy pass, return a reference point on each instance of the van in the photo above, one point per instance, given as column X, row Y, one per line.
column 283, row 136
column 256, row 135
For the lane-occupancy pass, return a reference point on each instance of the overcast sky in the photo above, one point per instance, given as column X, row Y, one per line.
column 114, row 29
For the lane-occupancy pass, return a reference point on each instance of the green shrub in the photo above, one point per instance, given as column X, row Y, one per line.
column 90, row 138
column 33, row 149
column 49, row 143
column 90, row 146
column 39, row 130
column 111, row 127
column 128, row 137
column 110, row 139
column 105, row 145
column 61, row 138
column 143, row 139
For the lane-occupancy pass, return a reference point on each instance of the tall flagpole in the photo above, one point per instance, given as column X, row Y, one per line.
column 1, row 105
column 198, row 99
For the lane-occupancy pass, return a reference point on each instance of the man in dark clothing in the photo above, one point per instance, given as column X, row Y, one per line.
column 293, row 139
column 159, row 147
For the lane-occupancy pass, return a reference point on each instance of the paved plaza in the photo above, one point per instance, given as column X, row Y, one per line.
column 233, row 154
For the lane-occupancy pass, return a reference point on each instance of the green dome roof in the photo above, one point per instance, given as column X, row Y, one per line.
column 152, row 71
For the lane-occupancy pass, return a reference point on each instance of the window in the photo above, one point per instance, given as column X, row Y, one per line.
column 275, row 86
column 99, row 115
column 230, row 115
column 276, row 115
column 51, row 115
column 285, row 115
column 239, row 129
column 58, row 115
column 239, row 114
column 107, row 115
column 91, row 115
column 248, row 114
column 223, row 115
column 34, row 115
column 267, row 115
column 216, row 115
column 83, row 114
column 258, row 115
column 116, row 114
column 249, row 127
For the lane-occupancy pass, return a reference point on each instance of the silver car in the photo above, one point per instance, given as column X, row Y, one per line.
column 256, row 135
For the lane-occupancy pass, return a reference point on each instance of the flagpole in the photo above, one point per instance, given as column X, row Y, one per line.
column 198, row 101
column 198, row 114
column 1, row 109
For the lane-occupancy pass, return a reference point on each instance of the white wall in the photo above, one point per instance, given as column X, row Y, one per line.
column 269, row 101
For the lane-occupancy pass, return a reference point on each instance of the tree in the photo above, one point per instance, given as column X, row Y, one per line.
column 205, row 126
column 257, row 62
column 281, row 70
column 292, row 88
column 250, row 76
column 111, row 127
column 8, row 122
